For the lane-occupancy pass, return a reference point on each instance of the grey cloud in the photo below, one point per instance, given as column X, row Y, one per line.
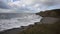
column 3, row 5
column 48, row 2
column 24, row 9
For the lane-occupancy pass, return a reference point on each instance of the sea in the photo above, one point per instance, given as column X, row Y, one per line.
column 16, row 20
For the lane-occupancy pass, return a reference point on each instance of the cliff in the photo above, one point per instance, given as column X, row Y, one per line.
column 50, row 13
column 50, row 23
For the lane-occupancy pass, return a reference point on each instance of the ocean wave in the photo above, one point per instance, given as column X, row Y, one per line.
column 16, row 22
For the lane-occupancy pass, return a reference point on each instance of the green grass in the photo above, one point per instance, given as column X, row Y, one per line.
column 43, row 29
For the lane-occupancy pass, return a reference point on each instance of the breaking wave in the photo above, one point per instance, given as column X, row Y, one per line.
column 21, row 20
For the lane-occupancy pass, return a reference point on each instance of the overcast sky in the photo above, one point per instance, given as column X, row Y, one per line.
column 27, row 6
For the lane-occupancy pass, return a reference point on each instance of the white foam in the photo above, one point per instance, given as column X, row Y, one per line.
column 18, row 21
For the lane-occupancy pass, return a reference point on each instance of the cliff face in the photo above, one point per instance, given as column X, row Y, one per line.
column 50, row 16
column 49, row 20
column 50, row 13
